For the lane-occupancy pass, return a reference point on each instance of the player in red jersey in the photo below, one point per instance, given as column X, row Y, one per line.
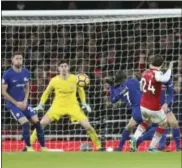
column 151, row 86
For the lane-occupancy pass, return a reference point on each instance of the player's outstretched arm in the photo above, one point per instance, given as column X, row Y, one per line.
column 44, row 96
column 160, row 77
column 82, row 96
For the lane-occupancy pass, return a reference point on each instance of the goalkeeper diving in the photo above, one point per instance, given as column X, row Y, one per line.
column 65, row 102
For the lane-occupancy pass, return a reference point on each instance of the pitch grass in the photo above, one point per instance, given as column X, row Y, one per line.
column 91, row 160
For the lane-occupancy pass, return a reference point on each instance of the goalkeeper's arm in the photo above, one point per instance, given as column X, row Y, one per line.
column 44, row 97
column 82, row 97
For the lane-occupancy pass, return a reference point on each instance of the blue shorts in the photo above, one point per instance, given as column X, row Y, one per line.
column 17, row 113
column 136, row 114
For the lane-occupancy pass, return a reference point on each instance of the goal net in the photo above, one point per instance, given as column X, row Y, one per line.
column 98, row 43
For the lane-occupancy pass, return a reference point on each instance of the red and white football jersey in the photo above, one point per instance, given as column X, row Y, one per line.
column 151, row 87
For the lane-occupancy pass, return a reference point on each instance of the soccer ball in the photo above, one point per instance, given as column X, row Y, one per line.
column 83, row 80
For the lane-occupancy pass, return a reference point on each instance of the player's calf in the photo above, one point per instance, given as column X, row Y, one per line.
column 172, row 121
column 158, row 134
column 91, row 133
column 26, row 134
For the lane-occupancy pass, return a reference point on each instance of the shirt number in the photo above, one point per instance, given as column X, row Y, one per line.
column 149, row 88
column 127, row 97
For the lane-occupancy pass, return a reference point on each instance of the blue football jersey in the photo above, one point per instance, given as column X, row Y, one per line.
column 129, row 92
column 167, row 92
column 16, row 83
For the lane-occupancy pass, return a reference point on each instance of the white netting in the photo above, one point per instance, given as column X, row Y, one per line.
column 98, row 44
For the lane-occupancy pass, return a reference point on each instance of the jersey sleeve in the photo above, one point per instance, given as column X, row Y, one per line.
column 5, row 78
column 81, row 93
column 160, row 77
column 117, row 93
column 47, row 92
column 170, row 91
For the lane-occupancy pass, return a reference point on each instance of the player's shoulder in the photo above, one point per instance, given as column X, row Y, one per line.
column 24, row 69
column 8, row 71
column 55, row 78
column 73, row 75
column 133, row 81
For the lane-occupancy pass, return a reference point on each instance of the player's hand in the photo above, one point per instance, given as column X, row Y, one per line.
column 86, row 107
column 171, row 64
column 21, row 106
column 25, row 102
column 109, row 81
column 39, row 107
column 165, row 107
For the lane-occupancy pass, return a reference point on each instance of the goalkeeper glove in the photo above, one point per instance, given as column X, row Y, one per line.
column 39, row 107
column 86, row 107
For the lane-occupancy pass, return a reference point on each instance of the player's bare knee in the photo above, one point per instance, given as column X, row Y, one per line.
column 174, row 124
column 86, row 124
column 23, row 120
column 45, row 121
column 34, row 119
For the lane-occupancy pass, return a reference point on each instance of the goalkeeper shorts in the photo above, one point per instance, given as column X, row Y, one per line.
column 74, row 112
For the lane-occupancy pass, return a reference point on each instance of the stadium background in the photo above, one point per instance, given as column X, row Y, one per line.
column 95, row 49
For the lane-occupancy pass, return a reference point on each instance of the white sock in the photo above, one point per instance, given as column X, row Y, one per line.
column 155, row 140
column 138, row 133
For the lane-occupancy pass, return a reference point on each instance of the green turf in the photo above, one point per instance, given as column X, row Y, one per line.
column 91, row 160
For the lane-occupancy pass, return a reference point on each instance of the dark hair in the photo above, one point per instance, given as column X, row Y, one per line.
column 156, row 61
column 63, row 61
column 120, row 77
column 17, row 53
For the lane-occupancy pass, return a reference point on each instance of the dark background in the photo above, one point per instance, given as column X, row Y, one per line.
column 58, row 5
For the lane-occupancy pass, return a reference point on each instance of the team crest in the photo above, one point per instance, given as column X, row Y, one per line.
column 72, row 86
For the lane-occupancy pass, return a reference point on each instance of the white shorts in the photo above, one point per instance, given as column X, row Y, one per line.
column 157, row 117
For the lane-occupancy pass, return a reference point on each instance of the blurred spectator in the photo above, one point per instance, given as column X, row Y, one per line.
column 72, row 5
column 20, row 6
column 152, row 5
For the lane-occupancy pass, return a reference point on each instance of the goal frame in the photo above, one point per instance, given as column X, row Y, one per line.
column 129, row 15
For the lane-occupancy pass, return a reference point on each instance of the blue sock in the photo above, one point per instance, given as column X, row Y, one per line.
column 26, row 133
column 40, row 134
column 162, row 142
column 146, row 136
column 176, row 137
column 124, row 138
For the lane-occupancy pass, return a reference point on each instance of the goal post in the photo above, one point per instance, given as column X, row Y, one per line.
column 98, row 42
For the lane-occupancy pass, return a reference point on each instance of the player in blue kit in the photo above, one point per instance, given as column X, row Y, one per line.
column 166, row 100
column 15, row 89
column 128, row 91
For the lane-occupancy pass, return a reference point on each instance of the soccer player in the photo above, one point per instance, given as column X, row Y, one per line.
column 151, row 85
column 15, row 89
column 127, row 90
column 65, row 102
column 166, row 100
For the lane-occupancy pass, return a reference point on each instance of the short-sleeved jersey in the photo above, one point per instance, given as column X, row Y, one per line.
column 129, row 92
column 16, row 83
column 65, row 90
column 167, row 92
column 151, row 97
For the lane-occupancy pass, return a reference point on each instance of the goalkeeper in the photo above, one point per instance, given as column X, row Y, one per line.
column 65, row 102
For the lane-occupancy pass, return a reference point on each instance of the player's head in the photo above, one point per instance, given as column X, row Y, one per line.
column 17, row 59
column 119, row 77
column 63, row 66
column 156, row 61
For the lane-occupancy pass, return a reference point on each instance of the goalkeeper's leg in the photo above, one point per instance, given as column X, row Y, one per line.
column 44, row 122
column 91, row 133
column 39, row 130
